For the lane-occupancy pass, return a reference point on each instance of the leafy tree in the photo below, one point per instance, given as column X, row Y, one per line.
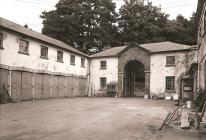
column 182, row 30
column 141, row 23
column 84, row 24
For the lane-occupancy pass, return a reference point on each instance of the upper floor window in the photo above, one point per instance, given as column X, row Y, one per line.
column 59, row 56
column 82, row 62
column 44, row 52
column 103, row 83
column 103, row 64
column 1, row 40
column 72, row 60
column 170, row 60
column 170, row 83
column 23, row 46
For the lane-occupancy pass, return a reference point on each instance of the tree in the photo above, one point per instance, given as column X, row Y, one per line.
column 182, row 30
column 141, row 23
column 83, row 24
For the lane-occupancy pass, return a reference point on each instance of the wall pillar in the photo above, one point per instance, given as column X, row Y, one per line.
column 147, row 83
column 120, row 84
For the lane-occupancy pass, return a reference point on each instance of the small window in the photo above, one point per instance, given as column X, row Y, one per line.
column 72, row 60
column 59, row 56
column 170, row 83
column 103, row 83
column 1, row 40
column 23, row 46
column 103, row 65
column 82, row 62
column 170, row 60
column 44, row 52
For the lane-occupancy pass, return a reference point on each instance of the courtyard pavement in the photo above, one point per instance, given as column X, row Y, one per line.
column 90, row 119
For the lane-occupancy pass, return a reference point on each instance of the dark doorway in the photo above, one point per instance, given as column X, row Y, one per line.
column 134, row 79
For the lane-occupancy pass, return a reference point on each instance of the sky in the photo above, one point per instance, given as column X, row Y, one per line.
column 28, row 11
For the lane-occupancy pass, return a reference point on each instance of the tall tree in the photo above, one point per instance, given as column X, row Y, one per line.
column 84, row 24
column 141, row 23
column 182, row 30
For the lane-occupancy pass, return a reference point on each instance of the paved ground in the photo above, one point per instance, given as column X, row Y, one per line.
column 90, row 119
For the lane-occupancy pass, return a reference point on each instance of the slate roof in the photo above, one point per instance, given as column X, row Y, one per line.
column 151, row 47
column 25, row 31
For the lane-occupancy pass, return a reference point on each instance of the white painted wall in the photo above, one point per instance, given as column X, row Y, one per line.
column 111, row 73
column 159, row 71
column 10, row 56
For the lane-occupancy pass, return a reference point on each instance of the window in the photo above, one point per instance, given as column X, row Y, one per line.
column 23, row 46
column 1, row 40
column 82, row 62
column 72, row 60
column 103, row 83
column 170, row 83
column 59, row 56
column 103, row 65
column 44, row 52
column 170, row 60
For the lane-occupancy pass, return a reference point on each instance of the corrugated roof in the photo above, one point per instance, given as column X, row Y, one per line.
column 20, row 29
column 152, row 47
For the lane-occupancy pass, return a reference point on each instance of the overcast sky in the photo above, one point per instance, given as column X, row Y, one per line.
column 28, row 11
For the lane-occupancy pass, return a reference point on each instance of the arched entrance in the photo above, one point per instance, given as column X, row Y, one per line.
column 134, row 79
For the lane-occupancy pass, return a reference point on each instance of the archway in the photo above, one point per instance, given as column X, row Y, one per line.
column 134, row 79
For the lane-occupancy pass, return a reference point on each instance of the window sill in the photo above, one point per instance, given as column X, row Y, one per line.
column 170, row 91
column 25, row 53
column 60, row 61
column 170, row 65
column 103, row 68
column 44, row 57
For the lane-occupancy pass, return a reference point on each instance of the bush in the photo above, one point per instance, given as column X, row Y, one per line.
column 200, row 99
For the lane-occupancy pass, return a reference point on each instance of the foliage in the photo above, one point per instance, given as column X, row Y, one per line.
column 182, row 30
column 83, row 24
column 199, row 99
column 89, row 25
column 141, row 23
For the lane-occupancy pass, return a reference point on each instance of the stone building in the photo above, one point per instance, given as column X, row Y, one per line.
column 152, row 69
column 35, row 66
column 201, row 23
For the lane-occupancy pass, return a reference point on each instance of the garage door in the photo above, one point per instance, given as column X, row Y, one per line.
column 82, row 87
column 38, row 86
column 3, row 80
column 61, row 86
column 16, row 86
column 55, row 87
column 46, row 86
column 69, row 88
column 75, row 86
column 27, row 86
